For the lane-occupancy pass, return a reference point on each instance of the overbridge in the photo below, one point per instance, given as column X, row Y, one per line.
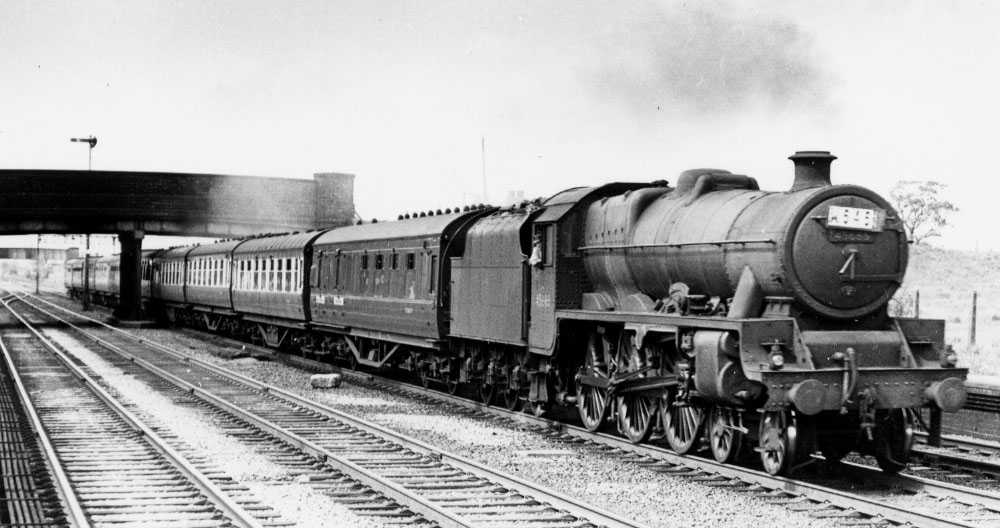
column 134, row 204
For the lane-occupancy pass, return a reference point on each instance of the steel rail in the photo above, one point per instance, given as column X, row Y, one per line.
column 236, row 514
column 67, row 495
column 870, row 507
column 398, row 493
column 911, row 483
column 970, row 444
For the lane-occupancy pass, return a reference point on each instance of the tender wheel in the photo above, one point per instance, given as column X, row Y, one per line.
column 513, row 393
column 682, row 423
column 424, row 372
column 724, row 436
column 512, row 399
column 777, row 442
column 352, row 362
column 894, row 438
column 487, row 393
column 635, row 416
column 592, row 401
column 450, row 377
column 451, row 384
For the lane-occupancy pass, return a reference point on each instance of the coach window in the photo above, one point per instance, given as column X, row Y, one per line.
column 279, row 284
column 378, row 261
column 411, row 261
column 395, row 260
column 364, row 261
column 289, row 276
column 270, row 274
column 275, row 274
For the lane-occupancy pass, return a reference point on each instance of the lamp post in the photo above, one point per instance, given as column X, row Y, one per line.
column 92, row 142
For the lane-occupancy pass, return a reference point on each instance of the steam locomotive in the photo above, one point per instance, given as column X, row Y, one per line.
column 710, row 313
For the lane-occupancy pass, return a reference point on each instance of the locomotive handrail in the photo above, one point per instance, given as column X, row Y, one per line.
column 681, row 244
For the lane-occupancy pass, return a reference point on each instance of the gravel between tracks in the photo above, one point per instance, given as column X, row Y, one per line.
column 294, row 501
column 636, row 493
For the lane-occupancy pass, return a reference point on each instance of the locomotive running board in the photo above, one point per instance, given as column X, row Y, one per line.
column 654, row 318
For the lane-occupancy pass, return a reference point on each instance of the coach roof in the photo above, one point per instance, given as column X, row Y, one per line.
column 214, row 249
column 294, row 241
column 412, row 228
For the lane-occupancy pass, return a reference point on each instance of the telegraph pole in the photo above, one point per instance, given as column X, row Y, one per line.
column 38, row 261
column 91, row 141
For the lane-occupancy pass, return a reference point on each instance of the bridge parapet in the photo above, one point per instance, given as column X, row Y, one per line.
column 162, row 203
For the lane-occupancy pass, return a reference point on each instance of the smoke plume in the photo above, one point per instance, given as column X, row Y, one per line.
column 700, row 61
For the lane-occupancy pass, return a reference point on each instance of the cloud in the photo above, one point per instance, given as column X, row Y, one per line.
column 705, row 61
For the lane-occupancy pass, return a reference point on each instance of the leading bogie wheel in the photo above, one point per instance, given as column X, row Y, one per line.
column 682, row 423
column 725, row 435
column 893, row 440
column 778, row 436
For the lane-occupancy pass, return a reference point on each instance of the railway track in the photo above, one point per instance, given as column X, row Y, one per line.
column 871, row 505
column 108, row 467
column 440, row 488
column 822, row 495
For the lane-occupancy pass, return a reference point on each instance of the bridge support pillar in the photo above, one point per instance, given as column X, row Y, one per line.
column 130, row 278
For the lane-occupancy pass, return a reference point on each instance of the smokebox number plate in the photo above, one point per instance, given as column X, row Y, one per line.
column 855, row 218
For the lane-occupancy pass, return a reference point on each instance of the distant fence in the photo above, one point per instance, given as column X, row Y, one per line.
column 900, row 310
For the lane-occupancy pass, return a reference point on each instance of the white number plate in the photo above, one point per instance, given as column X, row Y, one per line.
column 855, row 218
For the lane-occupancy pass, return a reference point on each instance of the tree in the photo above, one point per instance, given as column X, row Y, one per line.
column 921, row 208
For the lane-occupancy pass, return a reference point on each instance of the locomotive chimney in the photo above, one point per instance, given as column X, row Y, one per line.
column 812, row 168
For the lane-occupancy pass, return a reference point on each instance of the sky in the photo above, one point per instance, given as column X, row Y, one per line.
column 401, row 94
